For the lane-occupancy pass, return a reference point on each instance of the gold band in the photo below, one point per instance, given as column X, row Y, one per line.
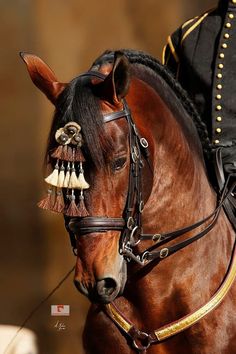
column 115, row 315
column 187, row 321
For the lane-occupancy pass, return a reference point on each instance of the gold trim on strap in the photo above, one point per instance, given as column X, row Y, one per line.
column 126, row 326
column 189, row 320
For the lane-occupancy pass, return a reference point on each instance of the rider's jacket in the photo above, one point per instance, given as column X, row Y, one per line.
column 202, row 55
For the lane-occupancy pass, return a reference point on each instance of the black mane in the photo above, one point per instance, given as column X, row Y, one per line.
column 78, row 103
column 167, row 87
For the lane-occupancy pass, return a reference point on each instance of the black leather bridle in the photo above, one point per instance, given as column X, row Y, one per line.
column 130, row 224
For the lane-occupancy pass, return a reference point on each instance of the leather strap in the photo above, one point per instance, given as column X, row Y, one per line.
column 92, row 224
column 179, row 325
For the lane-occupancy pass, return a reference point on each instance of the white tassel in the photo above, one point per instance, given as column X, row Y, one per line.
column 82, row 184
column 73, row 182
column 67, row 177
column 52, row 179
column 61, row 177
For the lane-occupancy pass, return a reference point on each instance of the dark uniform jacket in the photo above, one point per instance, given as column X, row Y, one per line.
column 202, row 55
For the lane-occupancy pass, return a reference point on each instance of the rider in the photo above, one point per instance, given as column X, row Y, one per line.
column 202, row 55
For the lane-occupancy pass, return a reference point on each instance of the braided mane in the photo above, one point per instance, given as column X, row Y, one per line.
column 139, row 57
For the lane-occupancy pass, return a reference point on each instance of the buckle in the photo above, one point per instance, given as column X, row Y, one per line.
column 141, row 340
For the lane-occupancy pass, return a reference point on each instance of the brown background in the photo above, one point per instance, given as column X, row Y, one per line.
column 68, row 34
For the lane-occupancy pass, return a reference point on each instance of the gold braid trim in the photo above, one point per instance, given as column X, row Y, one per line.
column 197, row 23
column 187, row 321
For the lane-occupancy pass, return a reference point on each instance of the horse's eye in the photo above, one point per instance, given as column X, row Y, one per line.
column 118, row 163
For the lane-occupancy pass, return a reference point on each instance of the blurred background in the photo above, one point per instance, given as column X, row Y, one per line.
column 35, row 251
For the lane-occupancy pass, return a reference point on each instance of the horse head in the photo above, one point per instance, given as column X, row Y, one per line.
column 86, row 100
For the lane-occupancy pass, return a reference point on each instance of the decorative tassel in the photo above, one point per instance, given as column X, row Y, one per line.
column 81, row 183
column 69, row 156
column 58, row 152
column 52, row 179
column 72, row 209
column 73, row 182
column 61, row 177
column 81, row 207
column 47, row 202
column 79, row 155
column 67, row 177
column 59, row 204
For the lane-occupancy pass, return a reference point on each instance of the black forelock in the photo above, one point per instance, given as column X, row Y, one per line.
column 78, row 103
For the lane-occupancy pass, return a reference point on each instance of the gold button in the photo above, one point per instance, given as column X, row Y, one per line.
column 217, row 141
column 234, row 1
column 218, row 107
column 218, row 97
column 220, row 66
column 226, row 35
column 219, row 119
column 228, row 25
column 219, row 86
column 219, row 75
column 221, row 55
column 231, row 16
column 224, row 45
column 218, row 130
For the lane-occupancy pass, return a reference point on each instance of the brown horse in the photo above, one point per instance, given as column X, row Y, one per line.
column 142, row 158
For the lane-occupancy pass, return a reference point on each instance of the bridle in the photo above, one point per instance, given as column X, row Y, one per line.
column 130, row 224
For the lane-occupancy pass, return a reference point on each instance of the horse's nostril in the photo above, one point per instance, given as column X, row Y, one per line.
column 106, row 286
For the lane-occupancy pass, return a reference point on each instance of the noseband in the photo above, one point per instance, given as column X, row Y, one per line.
column 130, row 224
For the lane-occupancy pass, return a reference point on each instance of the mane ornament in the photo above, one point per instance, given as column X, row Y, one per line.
column 68, row 174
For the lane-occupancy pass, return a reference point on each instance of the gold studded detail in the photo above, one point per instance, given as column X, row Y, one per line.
column 218, row 107
column 231, row 16
column 226, row 35
column 221, row 55
column 218, row 130
column 220, row 66
column 219, row 87
column 219, row 119
column 218, row 97
column 224, row 45
column 216, row 141
column 234, row 1
column 219, row 75
column 228, row 25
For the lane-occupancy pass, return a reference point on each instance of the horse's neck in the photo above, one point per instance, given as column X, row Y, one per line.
column 181, row 195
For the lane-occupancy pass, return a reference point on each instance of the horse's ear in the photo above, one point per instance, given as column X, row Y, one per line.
column 42, row 76
column 116, row 84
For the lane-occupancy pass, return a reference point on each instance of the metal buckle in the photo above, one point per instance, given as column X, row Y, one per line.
column 141, row 206
column 156, row 238
column 144, row 143
column 131, row 239
column 130, row 223
column 135, row 154
column 164, row 252
column 144, row 339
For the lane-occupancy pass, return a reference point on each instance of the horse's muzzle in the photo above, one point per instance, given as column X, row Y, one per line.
column 104, row 291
